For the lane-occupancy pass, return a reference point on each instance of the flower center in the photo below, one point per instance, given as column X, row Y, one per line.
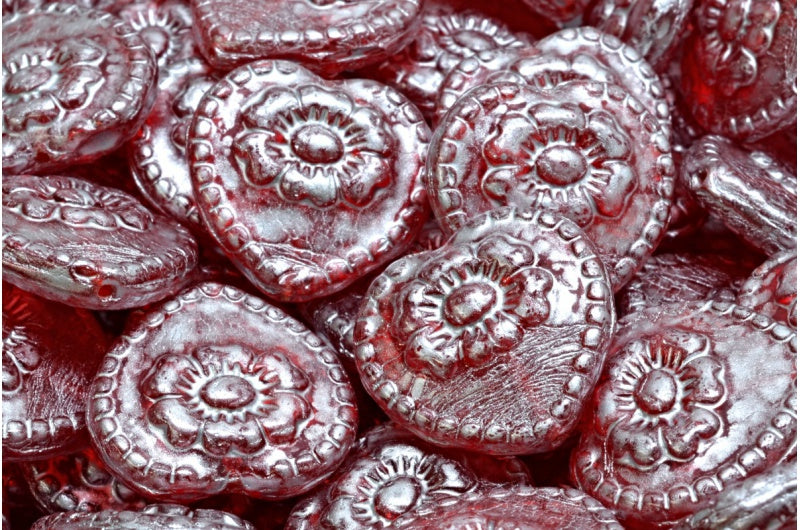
column 317, row 144
column 28, row 79
column 228, row 392
column 561, row 165
column 157, row 38
column 656, row 392
column 396, row 497
column 473, row 40
column 469, row 302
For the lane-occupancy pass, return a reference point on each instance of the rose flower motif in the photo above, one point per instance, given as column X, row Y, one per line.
column 736, row 34
column 226, row 401
column 560, row 157
column 314, row 144
column 40, row 84
column 380, row 488
column 667, row 391
column 479, row 303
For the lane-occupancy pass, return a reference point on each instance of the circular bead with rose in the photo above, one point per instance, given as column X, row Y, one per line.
column 307, row 184
column 587, row 150
column 443, row 335
column 694, row 397
column 259, row 406
column 76, row 84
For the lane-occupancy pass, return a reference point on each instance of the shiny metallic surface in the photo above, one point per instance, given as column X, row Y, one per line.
column 325, row 35
column 684, row 277
column 391, row 473
column 157, row 154
column 90, row 246
column 519, row 507
column 767, row 501
column 772, row 288
column 492, row 342
column 152, row 516
column 755, row 196
column 184, row 408
column 693, row 398
column 652, row 27
column 307, row 184
column 50, row 354
column 589, row 151
column 77, row 83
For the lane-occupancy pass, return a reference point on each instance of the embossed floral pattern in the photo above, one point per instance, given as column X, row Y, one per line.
column 476, row 304
column 667, row 393
column 78, row 205
column 381, row 488
column 559, row 156
column 314, row 144
column 735, row 35
column 166, row 29
column 226, row 400
column 465, row 35
column 40, row 84
column 19, row 359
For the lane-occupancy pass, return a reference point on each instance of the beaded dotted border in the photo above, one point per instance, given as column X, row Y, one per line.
column 444, row 176
column 135, row 91
column 757, row 290
column 145, row 161
column 619, row 57
column 388, row 23
column 152, row 516
column 18, row 435
column 265, row 261
column 76, row 482
column 438, row 25
column 143, row 281
column 133, row 460
column 777, row 439
column 448, row 428
column 709, row 162
column 517, row 499
column 779, row 113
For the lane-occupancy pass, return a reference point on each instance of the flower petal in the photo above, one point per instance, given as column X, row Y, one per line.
column 434, row 356
column 414, row 308
column 359, row 187
column 498, row 183
column 614, row 140
column 531, row 289
column 505, row 251
column 219, row 437
column 40, row 110
column 280, row 419
column 476, row 348
column 505, row 147
column 319, row 188
column 613, row 197
column 181, row 425
column 504, row 331
column 165, row 374
column 332, row 101
column 547, row 116
column 635, row 447
column 684, row 435
column 75, row 87
column 274, row 369
column 370, row 133
column 220, row 358
column 259, row 164
column 706, row 379
column 263, row 112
